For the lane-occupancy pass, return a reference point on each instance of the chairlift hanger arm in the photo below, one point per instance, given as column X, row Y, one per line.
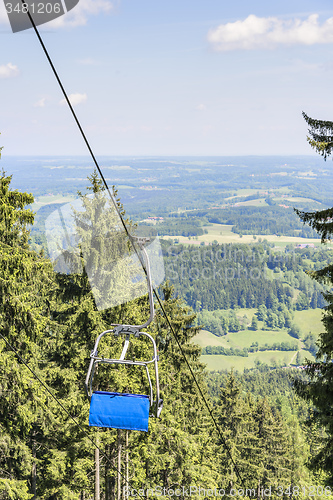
column 156, row 404
column 150, row 289
column 127, row 331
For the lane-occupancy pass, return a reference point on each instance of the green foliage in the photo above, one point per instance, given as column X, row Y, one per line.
column 14, row 217
column 276, row 346
column 299, row 358
column 273, row 441
column 27, row 290
column 295, row 331
column 320, row 221
column 318, row 388
column 310, row 343
column 239, row 275
column 264, row 220
column 320, row 135
column 52, row 320
column 257, row 439
column 254, row 323
column 180, row 227
column 11, row 489
column 221, row 322
column 225, row 351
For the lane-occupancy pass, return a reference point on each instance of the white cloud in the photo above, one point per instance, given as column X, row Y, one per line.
column 201, row 107
column 8, row 70
column 269, row 32
column 40, row 103
column 79, row 15
column 74, row 99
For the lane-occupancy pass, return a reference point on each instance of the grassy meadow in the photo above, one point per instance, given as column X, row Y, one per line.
column 309, row 321
column 41, row 201
column 222, row 233
column 271, row 358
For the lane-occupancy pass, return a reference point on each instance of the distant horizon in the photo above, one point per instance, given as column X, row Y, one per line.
column 4, row 156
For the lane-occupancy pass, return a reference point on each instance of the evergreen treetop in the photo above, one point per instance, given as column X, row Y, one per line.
column 320, row 135
column 318, row 389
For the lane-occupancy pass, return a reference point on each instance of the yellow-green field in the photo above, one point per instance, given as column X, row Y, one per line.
column 218, row 362
column 257, row 202
column 40, row 201
column 309, row 321
column 222, row 233
column 279, row 195
column 244, row 338
column 300, row 199
column 239, row 193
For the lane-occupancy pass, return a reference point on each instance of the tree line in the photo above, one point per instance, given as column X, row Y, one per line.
column 245, row 276
column 233, row 351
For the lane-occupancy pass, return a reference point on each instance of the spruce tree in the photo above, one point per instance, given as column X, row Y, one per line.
column 45, row 455
column 320, row 135
column 257, row 438
column 235, row 451
column 272, row 455
column 319, row 388
column 26, row 291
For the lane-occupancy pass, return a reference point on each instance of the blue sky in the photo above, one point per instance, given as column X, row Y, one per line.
column 169, row 78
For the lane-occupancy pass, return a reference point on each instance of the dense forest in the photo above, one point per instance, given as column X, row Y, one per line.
column 271, row 219
column 245, row 276
column 258, row 220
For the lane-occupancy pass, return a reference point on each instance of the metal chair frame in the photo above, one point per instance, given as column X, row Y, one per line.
column 128, row 330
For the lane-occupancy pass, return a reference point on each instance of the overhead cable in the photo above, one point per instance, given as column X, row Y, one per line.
column 206, row 404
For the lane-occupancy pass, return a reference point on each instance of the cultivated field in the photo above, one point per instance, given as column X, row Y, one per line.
column 40, row 201
column 271, row 358
column 222, row 233
column 244, row 338
column 309, row 321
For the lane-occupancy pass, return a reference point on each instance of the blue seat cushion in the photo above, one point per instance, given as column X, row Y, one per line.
column 119, row 411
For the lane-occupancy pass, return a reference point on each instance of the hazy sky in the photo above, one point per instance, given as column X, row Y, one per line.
column 169, row 77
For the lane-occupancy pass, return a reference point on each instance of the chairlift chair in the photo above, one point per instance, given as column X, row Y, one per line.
column 120, row 410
